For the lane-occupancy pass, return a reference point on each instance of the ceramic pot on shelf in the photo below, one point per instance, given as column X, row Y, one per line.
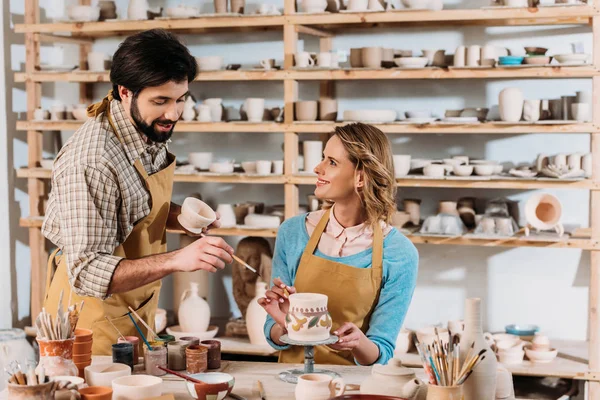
column 448, row 207
column 313, row 150
column 189, row 113
column 481, row 385
column 220, row 6
column 256, row 317
column 531, row 110
column 413, row 207
column 237, row 6
column 511, row 104
column 138, row 9
column 216, row 109
column 543, row 212
column 194, row 312
column 227, row 214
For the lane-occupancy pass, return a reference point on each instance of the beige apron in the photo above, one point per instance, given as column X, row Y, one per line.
column 148, row 237
column 353, row 292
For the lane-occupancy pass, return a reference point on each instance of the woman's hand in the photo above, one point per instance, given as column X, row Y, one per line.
column 350, row 337
column 276, row 302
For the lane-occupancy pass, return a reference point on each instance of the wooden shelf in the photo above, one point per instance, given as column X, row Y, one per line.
column 583, row 244
column 203, row 76
column 182, row 126
column 326, row 127
column 450, row 182
column 124, row 27
column 569, row 364
column 442, row 73
column 489, row 17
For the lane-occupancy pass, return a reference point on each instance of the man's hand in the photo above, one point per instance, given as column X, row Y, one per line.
column 208, row 253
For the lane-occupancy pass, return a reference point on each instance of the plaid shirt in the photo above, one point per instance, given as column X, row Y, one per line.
column 97, row 196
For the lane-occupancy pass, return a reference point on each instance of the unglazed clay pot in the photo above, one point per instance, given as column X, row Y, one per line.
column 318, row 387
column 531, row 110
column 308, row 319
column 194, row 312
column 511, row 104
column 543, row 212
column 328, row 109
column 413, row 207
column 305, row 110
column 256, row 317
column 481, row 385
column 447, row 207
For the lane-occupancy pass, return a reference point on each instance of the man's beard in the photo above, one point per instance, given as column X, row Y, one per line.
column 150, row 130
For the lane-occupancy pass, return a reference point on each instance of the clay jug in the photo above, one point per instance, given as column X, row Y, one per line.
column 511, row 104
column 481, row 385
column 256, row 317
column 194, row 312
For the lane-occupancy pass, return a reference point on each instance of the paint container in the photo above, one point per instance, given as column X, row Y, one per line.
column 123, row 353
column 176, row 355
column 153, row 358
column 190, row 340
column 135, row 341
column 214, row 353
column 167, row 338
column 196, row 358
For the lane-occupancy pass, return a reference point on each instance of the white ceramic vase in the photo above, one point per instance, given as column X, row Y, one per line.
column 481, row 385
column 511, row 104
column 194, row 312
column 227, row 215
column 313, row 150
column 531, row 110
column 256, row 317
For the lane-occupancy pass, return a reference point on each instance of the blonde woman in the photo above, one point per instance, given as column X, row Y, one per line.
column 348, row 251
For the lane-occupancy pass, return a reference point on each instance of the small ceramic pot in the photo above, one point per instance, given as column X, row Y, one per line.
column 560, row 160
column 531, row 110
column 220, row 6
column 304, row 60
column 278, row 167
column 447, row 207
column 543, row 212
column 434, row 171
column 372, row 57
column 318, row 387
column 581, row 112
column 401, row 165
column 404, row 341
column 44, row 391
column 511, row 104
column 237, row 6
column 460, row 56
column 263, row 167
column 584, row 97
column 96, row 393
column 305, row 110
column 356, row 58
column 328, row 109
column 227, row 215
column 473, row 56
column 196, row 215
column 413, row 208
column 255, row 109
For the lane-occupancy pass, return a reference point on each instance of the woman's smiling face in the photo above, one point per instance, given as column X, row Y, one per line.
column 336, row 177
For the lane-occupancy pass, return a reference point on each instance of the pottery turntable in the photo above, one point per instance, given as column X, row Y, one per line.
column 291, row 376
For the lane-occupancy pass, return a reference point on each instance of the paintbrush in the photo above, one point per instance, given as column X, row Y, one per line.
column 143, row 323
column 464, row 378
column 140, row 332
column 236, row 258
column 261, row 390
column 116, row 329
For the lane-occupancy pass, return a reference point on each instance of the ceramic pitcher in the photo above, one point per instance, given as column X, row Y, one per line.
column 194, row 312
column 256, row 317
column 318, row 387
column 481, row 385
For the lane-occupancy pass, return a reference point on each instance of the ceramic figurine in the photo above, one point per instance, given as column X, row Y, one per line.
column 256, row 252
column 194, row 312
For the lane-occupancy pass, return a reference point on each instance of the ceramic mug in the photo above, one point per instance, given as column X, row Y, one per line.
column 263, row 167
column 328, row 109
column 324, row 59
column 318, row 387
column 304, row 59
column 40, row 114
column 255, row 109
column 278, row 167
column 358, row 5
column 371, row 57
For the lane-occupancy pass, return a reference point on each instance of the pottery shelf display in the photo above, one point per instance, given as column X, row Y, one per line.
column 514, row 108
column 491, row 56
column 355, row 6
column 513, row 349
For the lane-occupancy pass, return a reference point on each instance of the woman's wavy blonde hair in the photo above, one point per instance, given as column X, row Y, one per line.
column 371, row 152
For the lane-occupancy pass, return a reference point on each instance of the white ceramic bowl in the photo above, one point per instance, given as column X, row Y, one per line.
column 209, row 63
column 104, row 374
column 136, row 387
column 182, row 11
column 221, row 167
column 84, row 13
column 572, row 58
column 434, row 171
column 212, row 378
column 417, row 163
column 196, row 215
column 511, row 357
column 80, row 113
column 200, row 160
column 484, row 169
column 262, row 221
column 414, row 62
column 540, row 356
column 418, row 114
column 462, row 170
column 370, row 115
column 249, row 167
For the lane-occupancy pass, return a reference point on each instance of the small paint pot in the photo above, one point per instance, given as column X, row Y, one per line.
column 155, row 357
column 196, row 359
column 123, row 353
column 135, row 341
column 176, row 355
column 214, row 353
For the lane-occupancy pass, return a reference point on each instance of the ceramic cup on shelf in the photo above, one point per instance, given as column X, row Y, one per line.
column 574, row 160
column 511, row 104
column 278, row 167
column 227, row 214
column 473, row 56
column 40, row 114
column 97, row 61
column 324, row 59
column 255, row 109
column 531, row 110
column 460, row 56
column 57, row 112
column 401, row 165
column 305, row 110
column 263, row 167
column 555, row 106
column 304, row 59
column 581, row 112
column 356, row 58
column 328, row 109
column 371, row 57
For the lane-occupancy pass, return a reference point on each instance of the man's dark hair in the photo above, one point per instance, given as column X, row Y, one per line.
column 151, row 58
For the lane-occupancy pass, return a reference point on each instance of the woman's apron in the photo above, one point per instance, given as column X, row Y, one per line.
column 352, row 292
column 147, row 238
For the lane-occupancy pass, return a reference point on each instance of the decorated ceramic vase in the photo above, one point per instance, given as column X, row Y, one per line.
column 308, row 319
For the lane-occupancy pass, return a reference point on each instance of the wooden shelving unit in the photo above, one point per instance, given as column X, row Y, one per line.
column 324, row 27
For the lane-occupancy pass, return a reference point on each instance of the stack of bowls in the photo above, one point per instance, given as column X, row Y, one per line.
column 82, row 349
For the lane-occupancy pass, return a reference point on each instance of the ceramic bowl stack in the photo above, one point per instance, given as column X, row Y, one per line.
column 509, row 348
column 82, row 349
column 104, row 374
column 540, row 351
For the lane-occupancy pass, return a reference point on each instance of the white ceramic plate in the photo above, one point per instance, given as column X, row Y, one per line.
column 178, row 333
column 413, row 62
column 376, row 116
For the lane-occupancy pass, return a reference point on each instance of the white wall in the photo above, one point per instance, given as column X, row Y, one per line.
column 546, row 287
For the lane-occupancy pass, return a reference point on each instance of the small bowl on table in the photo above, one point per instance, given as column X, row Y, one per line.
column 540, row 356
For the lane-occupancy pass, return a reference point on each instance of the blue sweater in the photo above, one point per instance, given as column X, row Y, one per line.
column 400, row 265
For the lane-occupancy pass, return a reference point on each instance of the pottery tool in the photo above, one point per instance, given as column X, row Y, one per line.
column 426, row 366
column 144, row 323
column 261, row 390
column 116, row 329
column 139, row 331
column 179, row 374
column 236, row 258
column 464, row 378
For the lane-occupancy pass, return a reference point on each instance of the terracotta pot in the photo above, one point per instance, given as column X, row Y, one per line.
column 482, row 382
column 96, row 393
column 82, row 358
column 511, row 104
column 435, row 392
column 237, row 6
column 256, row 317
column 83, row 335
column 220, row 6
column 305, row 110
column 82, row 347
column 59, row 348
column 37, row 392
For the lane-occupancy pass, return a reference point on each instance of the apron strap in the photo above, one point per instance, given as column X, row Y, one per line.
column 377, row 260
column 316, row 235
column 50, row 270
column 140, row 169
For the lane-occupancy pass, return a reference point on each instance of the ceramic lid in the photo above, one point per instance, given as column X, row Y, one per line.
column 393, row 368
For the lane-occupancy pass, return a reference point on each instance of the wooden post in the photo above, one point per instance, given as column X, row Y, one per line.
column 85, row 89
column 290, row 95
column 289, row 7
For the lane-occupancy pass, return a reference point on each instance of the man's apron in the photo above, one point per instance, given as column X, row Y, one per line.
column 147, row 238
column 353, row 292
